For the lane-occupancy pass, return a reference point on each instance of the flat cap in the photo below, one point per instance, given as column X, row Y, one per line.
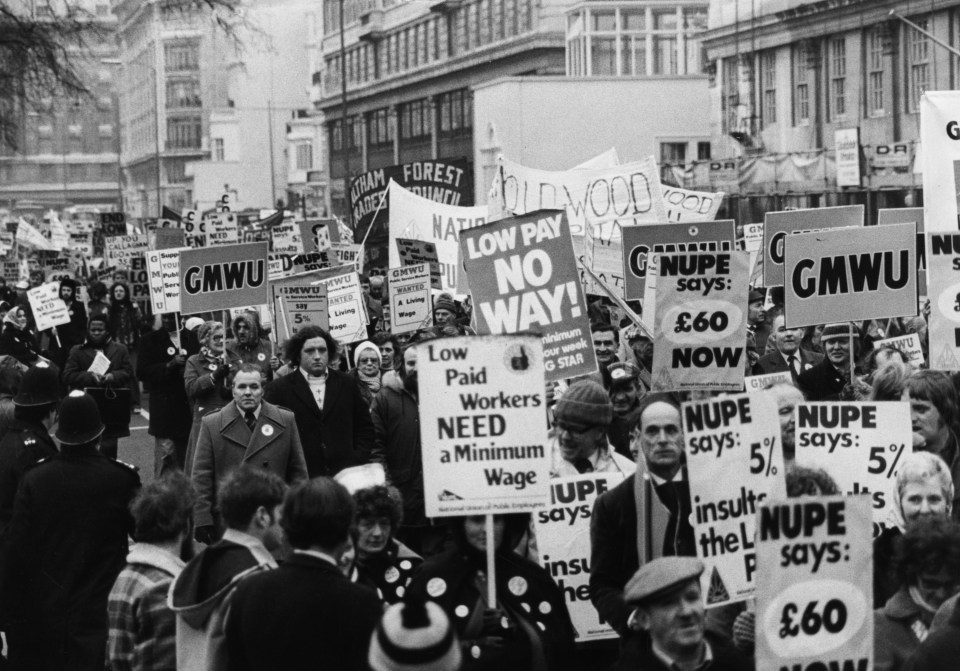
column 660, row 576
column 841, row 330
column 756, row 295
column 623, row 371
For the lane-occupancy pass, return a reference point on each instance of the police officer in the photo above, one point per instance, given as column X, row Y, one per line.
column 27, row 439
column 66, row 544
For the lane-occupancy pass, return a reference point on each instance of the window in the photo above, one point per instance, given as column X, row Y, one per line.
column 768, row 78
column 730, row 97
column 219, row 153
column 176, row 171
column 184, row 133
column 108, row 172
column 181, row 56
column 801, row 87
column 703, row 151
column 183, row 94
column 304, row 156
column 415, row 119
column 838, row 77
column 77, row 172
column 379, row 131
column 336, row 135
column 673, row 152
column 875, row 40
column 48, row 172
column 918, row 64
column 603, row 42
column 455, row 112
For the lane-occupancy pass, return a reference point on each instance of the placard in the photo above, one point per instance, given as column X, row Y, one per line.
column 850, row 275
column 318, row 235
column 563, row 543
column 640, row 242
column 700, row 329
column 943, row 283
column 846, row 143
column 194, row 228
column 415, row 252
column 298, row 304
column 485, row 445
column 734, row 434
column 753, row 243
column 163, row 269
column 523, row 277
column 223, row 277
column 222, row 229
column 779, row 225
column 285, row 238
column 815, row 584
column 410, row 307
column 755, row 383
column 169, row 238
column 120, row 250
column 49, row 310
column 113, row 223
column 684, row 206
column 908, row 344
column 909, row 215
column 347, row 314
column 860, row 445
column 939, row 135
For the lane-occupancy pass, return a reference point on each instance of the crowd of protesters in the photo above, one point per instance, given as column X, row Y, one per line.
column 285, row 526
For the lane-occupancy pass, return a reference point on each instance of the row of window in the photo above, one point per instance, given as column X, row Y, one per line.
column 830, row 58
column 58, row 172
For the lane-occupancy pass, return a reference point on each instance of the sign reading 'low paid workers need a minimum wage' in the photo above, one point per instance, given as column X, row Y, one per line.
column 777, row 226
column 700, row 328
column 163, row 269
column 219, row 278
column 943, row 284
column 410, row 306
column 485, row 444
column 415, row 252
column 815, row 584
column 851, row 274
column 49, row 310
column 563, row 543
column 222, row 229
column 734, row 434
column 859, row 445
column 523, row 277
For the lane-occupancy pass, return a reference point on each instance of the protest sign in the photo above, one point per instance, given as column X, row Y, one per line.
column 779, row 225
column 859, row 445
column 120, row 250
column 29, row 235
column 523, row 276
column 49, row 310
column 163, row 268
column 908, row 344
column 82, row 243
column 410, row 307
column 485, row 446
column 57, row 269
column 685, row 206
column 943, row 283
column 11, row 271
column 639, row 242
column 168, row 238
column 701, row 321
column 850, row 275
column 285, row 238
column 815, row 584
column 907, row 215
column 563, row 543
column 222, row 229
column 194, row 228
column 846, row 143
column 755, row 383
column 939, row 132
column 285, row 265
column 223, row 277
column 298, row 304
column 112, row 223
column 317, row 235
column 415, row 252
column 734, row 434
column 348, row 254
column 347, row 314
column 752, row 242
column 139, row 281
column 418, row 218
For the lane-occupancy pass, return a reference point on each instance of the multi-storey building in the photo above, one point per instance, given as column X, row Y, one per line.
column 67, row 150
column 787, row 75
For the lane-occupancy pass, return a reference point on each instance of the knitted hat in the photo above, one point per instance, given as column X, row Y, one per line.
column 206, row 329
column 366, row 344
column 79, row 419
column 445, row 302
column 585, row 402
column 841, row 330
column 414, row 636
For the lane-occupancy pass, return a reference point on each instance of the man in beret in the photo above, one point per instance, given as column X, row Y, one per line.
column 826, row 380
column 582, row 417
column 667, row 605
column 626, row 390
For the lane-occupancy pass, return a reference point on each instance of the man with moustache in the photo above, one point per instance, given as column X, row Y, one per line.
column 787, row 355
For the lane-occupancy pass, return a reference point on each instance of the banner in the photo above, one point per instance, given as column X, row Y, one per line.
column 940, row 139
column 734, row 434
column 859, row 445
column 29, row 235
column 222, row 229
column 815, row 584
column 120, row 250
column 850, row 275
column 908, row 344
column 685, row 206
column 778, row 225
column 485, row 445
column 701, row 322
column 49, row 310
column 909, row 215
column 410, row 307
column 639, row 242
column 943, row 284
column 418, row 218
column 347, row 314
column 523, row 277
column 563, row 543
column 415, row 252
column 223, row 277
column 163, row 268
column 298, row 304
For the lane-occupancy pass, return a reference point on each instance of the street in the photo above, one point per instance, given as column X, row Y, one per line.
column 137, row 448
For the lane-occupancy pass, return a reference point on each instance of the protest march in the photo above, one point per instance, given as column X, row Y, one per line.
column 594, row 422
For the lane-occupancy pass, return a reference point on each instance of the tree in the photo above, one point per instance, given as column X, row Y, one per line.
column 42, row 45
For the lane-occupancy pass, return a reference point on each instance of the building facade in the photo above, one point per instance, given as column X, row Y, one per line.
column 67, row 154
column 788, row 76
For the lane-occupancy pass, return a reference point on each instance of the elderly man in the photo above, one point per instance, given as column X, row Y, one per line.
column 667, row 604
column 248, row 430
column 582, row 417
column 788, row 398
column 826, row 380
column 656, row 499
column 787, row 355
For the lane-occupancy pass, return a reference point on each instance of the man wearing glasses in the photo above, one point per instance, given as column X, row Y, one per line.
column 582, row 418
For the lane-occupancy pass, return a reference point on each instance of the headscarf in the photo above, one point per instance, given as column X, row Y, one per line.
column 11, row 317
column 374, row 382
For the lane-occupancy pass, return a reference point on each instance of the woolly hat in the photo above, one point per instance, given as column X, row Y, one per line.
column 585, row 402
column 445, row 302
column 841, row 330
column 414, row 636
column 366, row 344
column 79, row 419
